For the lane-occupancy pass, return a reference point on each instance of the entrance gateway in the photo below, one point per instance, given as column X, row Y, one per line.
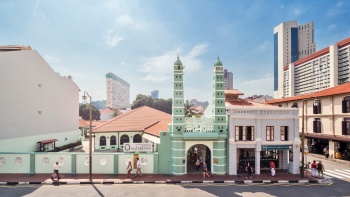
column 185, row 134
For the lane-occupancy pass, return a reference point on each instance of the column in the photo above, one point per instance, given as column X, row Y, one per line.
column 257, row 161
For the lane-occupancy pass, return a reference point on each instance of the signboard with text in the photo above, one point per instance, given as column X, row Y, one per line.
column 138, row 147
column 276, row 147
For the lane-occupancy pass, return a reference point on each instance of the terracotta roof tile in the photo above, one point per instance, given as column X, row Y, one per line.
column 139, row 119
column 340, row 89
column 249, row 103
column 234, row 91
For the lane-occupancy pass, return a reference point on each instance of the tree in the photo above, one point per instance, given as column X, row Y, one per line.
column 84, row 112
column 159, row 104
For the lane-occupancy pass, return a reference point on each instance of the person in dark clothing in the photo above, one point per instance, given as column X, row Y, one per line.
column 249, row 169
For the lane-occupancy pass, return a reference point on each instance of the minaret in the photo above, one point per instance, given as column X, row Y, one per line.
column 178, row 106
column 218, row 102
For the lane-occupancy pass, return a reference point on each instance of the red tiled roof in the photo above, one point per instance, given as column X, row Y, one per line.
column 340, row 89
column 86, row 123
column 140, row 119
column 343, row 43
column 249, row 103
column 234, row 91
column 47, row 141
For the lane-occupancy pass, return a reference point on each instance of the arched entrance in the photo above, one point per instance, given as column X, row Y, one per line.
column 196, row 151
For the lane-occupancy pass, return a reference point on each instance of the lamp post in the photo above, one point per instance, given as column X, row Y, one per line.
column 302, row 142
column 90, row 135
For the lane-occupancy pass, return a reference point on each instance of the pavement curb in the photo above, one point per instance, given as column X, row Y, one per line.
column 166, row 182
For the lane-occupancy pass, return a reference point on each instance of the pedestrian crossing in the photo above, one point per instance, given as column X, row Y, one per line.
column 335, row 173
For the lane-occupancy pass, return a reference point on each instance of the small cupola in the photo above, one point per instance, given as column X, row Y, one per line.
column 178, row 64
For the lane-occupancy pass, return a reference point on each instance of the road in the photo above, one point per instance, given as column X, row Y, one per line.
column 334, row 170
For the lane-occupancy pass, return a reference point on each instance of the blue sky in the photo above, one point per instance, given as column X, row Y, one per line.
column 139, row 40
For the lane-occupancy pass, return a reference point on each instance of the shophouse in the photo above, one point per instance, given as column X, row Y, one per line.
column 260, row 133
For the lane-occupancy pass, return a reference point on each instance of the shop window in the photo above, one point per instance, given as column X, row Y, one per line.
column 244, row 133
column 113, row 140
column 346, row 105
column 346, row 126
column 317, row 125
column 137, row 138
column 103, row 141
column 284, row 133
column 269, row 133
column 124, row 139
column 317, row 107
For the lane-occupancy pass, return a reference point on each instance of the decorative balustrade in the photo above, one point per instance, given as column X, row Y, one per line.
column 202, row 124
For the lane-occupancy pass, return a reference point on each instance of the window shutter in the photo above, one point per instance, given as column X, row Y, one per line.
column 315, row 108
column 315, row 126
column 318, row 126
column 319, row 108
column 343, row 104
column 343, row 127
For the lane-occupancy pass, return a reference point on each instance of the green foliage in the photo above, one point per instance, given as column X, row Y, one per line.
column 84, row 112
column 67, row 146
column 99, row 104
column 159, row 104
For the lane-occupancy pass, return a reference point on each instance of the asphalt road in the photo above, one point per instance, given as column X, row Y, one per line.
column 338, row 188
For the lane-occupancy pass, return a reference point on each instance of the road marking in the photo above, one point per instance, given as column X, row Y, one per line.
column 343, row 171
column 335, row 174
column 340, row 174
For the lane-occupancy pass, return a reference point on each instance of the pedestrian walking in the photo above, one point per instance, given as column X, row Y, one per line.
column 55, row 171
column 320, row 169
column 198, row 163
column 249, row 169
column 313, row 169
column 129, row 169
column 272, row 166
column 205, row 170
column 138, row 169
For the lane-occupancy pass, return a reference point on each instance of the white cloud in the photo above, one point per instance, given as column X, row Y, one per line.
column 297, row 11
column 112, row 40
column 340, row 3
column 331, row 27
column 159, row 68
column 5, row 5
column 125, row 19
column 258, row 86
column 263, row 46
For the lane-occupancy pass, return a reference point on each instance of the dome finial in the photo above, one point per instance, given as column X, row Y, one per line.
column 178, row 56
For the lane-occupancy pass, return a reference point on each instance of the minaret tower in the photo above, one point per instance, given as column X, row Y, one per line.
column 218, row 102
column 178, row 106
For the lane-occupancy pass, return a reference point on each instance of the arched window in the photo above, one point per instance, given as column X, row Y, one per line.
column 137, row 138
column 102, row 141
column 124, row 139
column 346, row 105
column 113, row 140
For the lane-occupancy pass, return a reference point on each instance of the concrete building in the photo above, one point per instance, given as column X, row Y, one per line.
column 291, row 42
column 228, row 80
column 260, row 133
column 140, row 125
column 189, row 139
column 118, row 92
column 154, row 94
column 326, row 119
column 323, row 69
column 14, row 48
column 39, row 108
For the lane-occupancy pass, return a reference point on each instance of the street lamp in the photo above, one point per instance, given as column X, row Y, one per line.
column 90, row 135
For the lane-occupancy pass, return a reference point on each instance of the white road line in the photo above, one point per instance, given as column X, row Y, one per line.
column 344, row 172
column 331, row 174
column 340, row 174
column 347, row 170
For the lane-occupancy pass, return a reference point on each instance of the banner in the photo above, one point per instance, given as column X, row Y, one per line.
column 138, row 147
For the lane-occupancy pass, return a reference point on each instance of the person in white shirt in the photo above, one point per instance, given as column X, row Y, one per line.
column 55, row 169
column 138, row 165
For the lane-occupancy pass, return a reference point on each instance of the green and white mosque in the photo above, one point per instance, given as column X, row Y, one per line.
column 190, row 138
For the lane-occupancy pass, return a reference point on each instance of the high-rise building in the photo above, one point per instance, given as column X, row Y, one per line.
column 291, row 43
column 118, row 92
column 154, row 94
column 323, row 69
column 228, row 80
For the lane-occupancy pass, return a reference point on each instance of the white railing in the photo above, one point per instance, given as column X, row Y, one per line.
column 202, row 124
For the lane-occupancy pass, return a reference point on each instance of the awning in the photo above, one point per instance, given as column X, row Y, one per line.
column 328, row 137
column 47, row 141
column 151, row 138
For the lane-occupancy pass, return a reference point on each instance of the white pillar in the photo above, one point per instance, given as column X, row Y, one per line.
column 257, row 162
column 331, row 149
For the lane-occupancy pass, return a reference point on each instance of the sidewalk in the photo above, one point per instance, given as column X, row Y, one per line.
column 346, row 162
column 265, row 177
